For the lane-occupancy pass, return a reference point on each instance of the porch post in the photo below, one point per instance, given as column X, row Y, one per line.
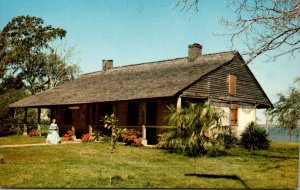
column 298, row 129
column 39, row 115
column 25, row 115
column 144, row 132
column 25, row 122
column 90, row 131
column 267, row 121
column 115, row 109
column 178, row 105
column 73, row 130
column 39, row 121
column 13, row 115
column 89, row 108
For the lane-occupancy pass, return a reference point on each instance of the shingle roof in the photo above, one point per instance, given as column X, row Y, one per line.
column 147, row 80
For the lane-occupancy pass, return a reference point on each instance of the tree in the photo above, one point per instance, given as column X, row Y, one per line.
column 29, row 63
column 6, row 119
column 24, row 49
column 58, row 67
column 112, row 122
column 187, row 5
column 287, row 110
column 265, row 26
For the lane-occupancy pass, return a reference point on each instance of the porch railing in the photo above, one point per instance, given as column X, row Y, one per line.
column 24, row 128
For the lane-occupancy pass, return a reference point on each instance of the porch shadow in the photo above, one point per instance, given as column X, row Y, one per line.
column 214, row 176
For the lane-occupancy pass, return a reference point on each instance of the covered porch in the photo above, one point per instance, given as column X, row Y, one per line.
column 146, row 116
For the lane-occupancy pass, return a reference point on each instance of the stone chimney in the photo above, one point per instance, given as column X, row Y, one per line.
column 195, row 51
column 107, row 64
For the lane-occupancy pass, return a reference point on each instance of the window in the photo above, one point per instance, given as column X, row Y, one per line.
column 234, row 114
column 232, row 84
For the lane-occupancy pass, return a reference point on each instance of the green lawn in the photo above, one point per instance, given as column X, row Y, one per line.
column 19, row 139
column 86, row 165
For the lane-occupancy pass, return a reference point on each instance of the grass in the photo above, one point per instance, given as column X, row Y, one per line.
column 86, row 165
column 19, row 139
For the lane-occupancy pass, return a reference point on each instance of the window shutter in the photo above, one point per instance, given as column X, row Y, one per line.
column 234, row 114
column 232, row 84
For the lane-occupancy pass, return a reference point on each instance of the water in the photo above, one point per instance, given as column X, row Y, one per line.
column 276, row 135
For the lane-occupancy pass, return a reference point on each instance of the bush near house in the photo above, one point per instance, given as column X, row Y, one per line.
column 131, row 137
column 85, row 138
column 255, row 138
column 68, row 136
column 34, row 133
column 228, row 137
column 195, row 130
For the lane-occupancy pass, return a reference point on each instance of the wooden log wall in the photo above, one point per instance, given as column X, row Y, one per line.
column 216, row 85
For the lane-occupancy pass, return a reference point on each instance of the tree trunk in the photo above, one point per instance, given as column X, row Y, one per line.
column 111, row 159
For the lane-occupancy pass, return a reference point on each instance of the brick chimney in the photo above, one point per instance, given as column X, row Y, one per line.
column 107, row 64
column 195, row 51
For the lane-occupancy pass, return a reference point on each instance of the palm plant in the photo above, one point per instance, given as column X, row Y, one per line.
column 194, row 128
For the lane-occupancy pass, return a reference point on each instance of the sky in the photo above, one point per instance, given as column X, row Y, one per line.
column 137, row 31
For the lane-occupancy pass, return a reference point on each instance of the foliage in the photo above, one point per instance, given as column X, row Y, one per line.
column 28, row 64
column 26, row 55
column 228, row 137
column 254, row 138
column 194, row 128
column 59, row 68
column 187, row 5
column 97, row 136
column 287, row 110
column 216, row 150
column 112, row 122
column 106, row 139
column 6, row 114
column 85, row 138
column 24, row 51
column 131, row 137
column 266, row 27
column 34, row 133
column 69, row 136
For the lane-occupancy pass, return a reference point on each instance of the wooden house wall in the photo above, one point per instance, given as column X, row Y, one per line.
column 216, row 85
column 80, row 119
column 89, row 114
column 121, row 112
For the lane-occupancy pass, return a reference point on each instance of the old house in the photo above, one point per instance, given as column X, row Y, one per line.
column 138, row 94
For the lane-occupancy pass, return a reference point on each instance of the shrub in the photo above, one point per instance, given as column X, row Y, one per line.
column 85, row 137
column 68, row 136
column 130, row 137
column 97, row 136
column 228, row 137
column 161, row 141
column 214, row 151
column 254, row 138
column 106, row 139
column 34, row 133
column 195, row 128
